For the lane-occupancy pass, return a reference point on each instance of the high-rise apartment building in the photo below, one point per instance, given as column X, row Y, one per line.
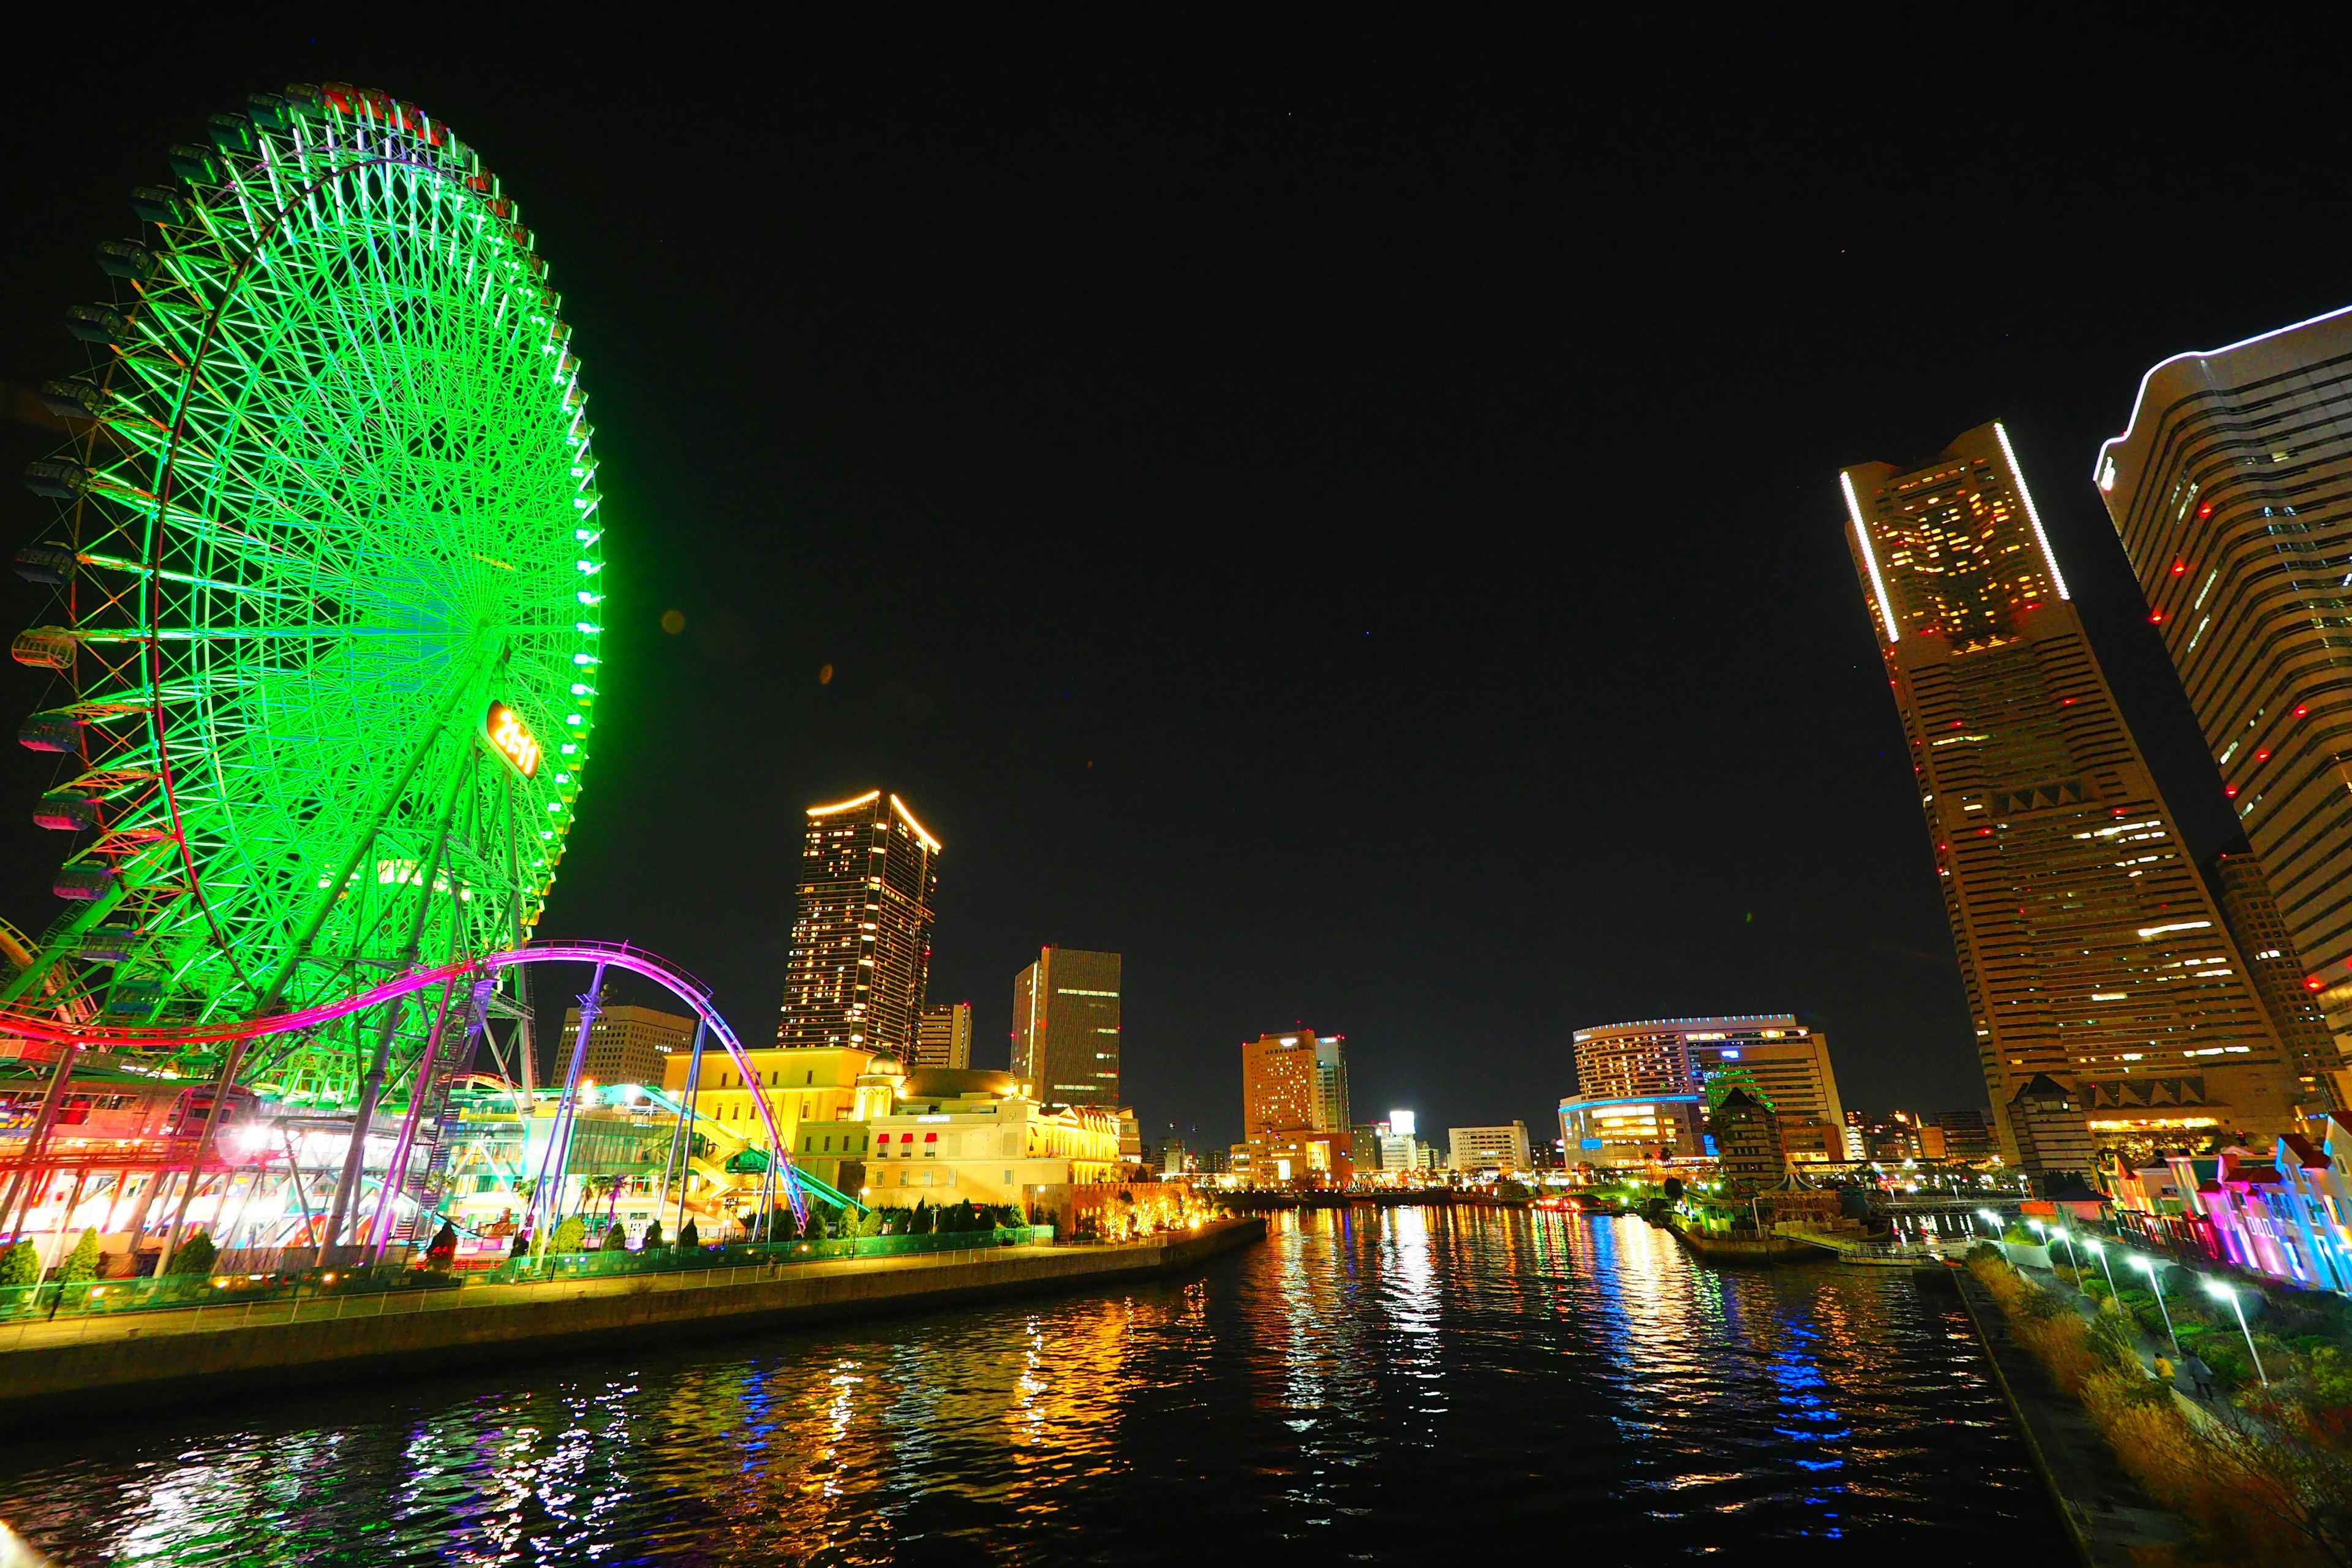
column 862, row 940
column 1065, row 1026
column 943, row 1036
column 628, row 1045
column 2231, row 490
column 2089, row 948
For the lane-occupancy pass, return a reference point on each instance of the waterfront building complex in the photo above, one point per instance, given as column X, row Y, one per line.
column 1066, row 1026
column 1651, row 1062
column 1503, row 1148
column 1288, row 1106
column 2227, row 489
column 1632, row 1131
column 943, row 1038
column 628, row 1044
column 943, row 1135
column 861, row 949
column 2089, row 948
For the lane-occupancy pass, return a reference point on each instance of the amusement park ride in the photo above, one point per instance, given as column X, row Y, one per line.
column 326, row 648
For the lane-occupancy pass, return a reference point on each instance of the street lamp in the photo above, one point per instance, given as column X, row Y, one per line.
column 2099, row 1251
column 1991, row 1219
column 2156, row 1283
column 2216, row 1287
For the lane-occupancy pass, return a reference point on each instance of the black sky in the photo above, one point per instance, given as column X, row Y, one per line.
column 1347, row 520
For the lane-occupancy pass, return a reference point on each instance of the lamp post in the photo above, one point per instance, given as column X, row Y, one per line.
column 1991, row 1219
column 2098, row 1249
column 2216, row 1287
column 2156, row 1283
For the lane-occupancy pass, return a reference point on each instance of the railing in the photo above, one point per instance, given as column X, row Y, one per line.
column 65, row 1314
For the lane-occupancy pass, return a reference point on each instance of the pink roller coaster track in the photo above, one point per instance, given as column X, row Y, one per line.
column 609, row 955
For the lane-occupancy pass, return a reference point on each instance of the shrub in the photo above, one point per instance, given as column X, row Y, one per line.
column 570, row 1237
column 194, row 1256
column 81, row 1263
column 20, row 1265
column 688, row 1237
column 617, row 1239
column 1983, row 1251
column 870, row 1223
column 653, row 1237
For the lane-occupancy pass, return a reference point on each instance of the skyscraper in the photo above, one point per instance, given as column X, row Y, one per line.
column 945, row 1035
column 862, row 940
column 2227, row 489
column 2089, row 948
column 1066, row 1026
column 2277, row 968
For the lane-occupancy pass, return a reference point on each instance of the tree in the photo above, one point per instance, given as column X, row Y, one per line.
column 870, row 1223
column 81, row 1263
column 20, row 1265
column 616, row 1237
column 688, row 1237
column 570, row 1237
column 1673, row 1189
column 924, row 1219
column 195, row 1255
column 653, row 1237
column 442, row 1253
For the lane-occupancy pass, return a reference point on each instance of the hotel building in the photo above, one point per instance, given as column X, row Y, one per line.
column 1289, row 1109
column 2231, row 490
column 1786, row 1061
column 2089, row 948
column 862, row 940
column 1065, row 1026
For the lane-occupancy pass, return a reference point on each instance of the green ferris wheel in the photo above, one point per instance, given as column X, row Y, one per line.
column 327, row 579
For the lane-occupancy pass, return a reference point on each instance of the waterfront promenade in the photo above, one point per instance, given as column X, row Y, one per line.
column 96, row 1365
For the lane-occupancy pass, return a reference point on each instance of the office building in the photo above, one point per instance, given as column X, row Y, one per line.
column 943, row 1036
column 2287, row 993
column 1638, row 1130
column 1285, row 1100
column 2227, row 487
column 627, row 1045
column 862, row 940
column 1065, row 1026
column 1331, row 1082
column 2089, row 948
column 1771, row 1053
column 1501, row 1149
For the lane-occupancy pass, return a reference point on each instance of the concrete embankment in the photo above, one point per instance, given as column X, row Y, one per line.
column 136, row 1366
column 2105, row 1512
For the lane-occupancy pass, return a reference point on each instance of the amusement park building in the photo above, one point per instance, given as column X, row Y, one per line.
column 861, row 952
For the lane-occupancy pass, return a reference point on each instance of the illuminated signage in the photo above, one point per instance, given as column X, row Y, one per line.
column 511, row 738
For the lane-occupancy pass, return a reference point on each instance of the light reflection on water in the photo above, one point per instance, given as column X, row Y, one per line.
column 1373, row 1385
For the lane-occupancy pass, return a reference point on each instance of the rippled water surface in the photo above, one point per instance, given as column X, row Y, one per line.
column 1388, row 1386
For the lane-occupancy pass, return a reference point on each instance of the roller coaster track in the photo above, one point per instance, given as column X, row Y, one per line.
column 25, row 1024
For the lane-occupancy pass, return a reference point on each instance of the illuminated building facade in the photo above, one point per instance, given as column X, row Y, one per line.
column 2229, row 490
column 628, row 1044
column 862, row 942
column 1286, row 1105
column 1748, row 1147
column 2089, row 948
column 1065, row 1026
column 1501, row 1148
column 1642, row 1129
column 943, row 1038
column 1772, row 1053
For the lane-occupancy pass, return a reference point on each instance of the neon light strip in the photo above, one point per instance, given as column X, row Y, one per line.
column 900, row 807
column 871, row 794
column 1869, row 557
column 2057, row 578
column 617, row 955
column 2141, row 396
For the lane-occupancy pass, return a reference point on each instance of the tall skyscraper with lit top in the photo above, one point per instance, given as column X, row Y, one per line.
column 862, row 938
column 2231, row 490
column 2089, row 948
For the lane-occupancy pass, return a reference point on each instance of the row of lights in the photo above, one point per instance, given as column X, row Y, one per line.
column 2219, row 1289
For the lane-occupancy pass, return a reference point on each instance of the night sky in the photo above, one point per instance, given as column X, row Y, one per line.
column 1348, row 522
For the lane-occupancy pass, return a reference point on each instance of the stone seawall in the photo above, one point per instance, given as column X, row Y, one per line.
column 100, row 1378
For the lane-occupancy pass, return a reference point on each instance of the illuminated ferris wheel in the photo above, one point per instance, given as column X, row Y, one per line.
column 327, row 569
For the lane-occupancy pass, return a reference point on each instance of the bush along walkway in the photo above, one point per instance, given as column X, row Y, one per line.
column 2253, row 1476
